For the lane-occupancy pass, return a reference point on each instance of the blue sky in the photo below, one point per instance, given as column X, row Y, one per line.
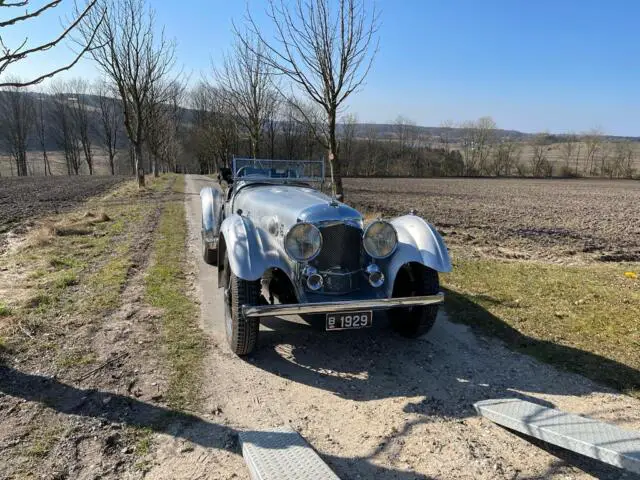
column 531, row 65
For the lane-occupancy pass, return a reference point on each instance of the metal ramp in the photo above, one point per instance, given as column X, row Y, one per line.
column 282, row 454
column 586, row 436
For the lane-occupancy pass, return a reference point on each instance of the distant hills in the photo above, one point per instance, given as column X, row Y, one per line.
column 382, row 131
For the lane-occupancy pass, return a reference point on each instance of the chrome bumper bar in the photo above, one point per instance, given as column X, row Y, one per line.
column 336, row 307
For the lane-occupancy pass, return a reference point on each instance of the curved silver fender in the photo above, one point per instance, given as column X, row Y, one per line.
column 420, row 242
column 211, row 199
column 251, row 251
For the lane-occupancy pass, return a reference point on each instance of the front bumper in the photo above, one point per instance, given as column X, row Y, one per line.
column 337, row 307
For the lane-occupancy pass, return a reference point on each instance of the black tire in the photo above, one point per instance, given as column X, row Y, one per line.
column 413, row 281
column 242, row 332
column 210, row 255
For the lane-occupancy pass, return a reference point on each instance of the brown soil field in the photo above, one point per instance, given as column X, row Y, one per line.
column 27, row 197
column 556, row 220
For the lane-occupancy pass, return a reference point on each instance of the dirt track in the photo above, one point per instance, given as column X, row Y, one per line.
column 375, row 405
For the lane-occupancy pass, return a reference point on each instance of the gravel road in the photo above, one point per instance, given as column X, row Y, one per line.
column 378, row 406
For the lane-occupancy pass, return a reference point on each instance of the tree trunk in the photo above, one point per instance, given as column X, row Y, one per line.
column 47, row 164
column 22, row 164
column 334, row 163
column 156, row 173
column 139, row 164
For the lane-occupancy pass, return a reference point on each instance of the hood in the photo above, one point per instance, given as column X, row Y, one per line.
column 292, row 204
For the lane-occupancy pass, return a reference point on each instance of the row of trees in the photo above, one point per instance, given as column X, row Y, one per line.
column 138, row 94
column 78, row 119
column 82, row 120
column 543, row 155
column 474, row 148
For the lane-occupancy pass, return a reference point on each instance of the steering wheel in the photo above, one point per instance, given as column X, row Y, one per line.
column 240, row 173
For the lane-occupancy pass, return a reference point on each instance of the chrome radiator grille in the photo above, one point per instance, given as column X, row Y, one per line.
column 340, row 248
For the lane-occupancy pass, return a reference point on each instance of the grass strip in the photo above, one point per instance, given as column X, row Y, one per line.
column 166, row 288
column 585, row 319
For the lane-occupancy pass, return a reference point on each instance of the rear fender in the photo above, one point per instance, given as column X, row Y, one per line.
column 419, row 242
column 212, row 202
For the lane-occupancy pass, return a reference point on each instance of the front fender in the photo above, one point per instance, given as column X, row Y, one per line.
column 251, row 250
column 419, row 242
column 211, row 200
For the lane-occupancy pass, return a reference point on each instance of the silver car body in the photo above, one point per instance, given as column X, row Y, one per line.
column 251, row 223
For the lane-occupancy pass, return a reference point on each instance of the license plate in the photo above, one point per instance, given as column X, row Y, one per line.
column 349, row 321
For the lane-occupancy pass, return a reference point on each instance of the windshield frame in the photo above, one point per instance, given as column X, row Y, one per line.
column 306, row 171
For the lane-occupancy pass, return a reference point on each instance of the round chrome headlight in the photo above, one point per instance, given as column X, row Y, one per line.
column 303, row 242
column 380, row 239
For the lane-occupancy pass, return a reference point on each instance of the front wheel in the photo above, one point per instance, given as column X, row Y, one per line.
column 412, row 281
column 242, row 332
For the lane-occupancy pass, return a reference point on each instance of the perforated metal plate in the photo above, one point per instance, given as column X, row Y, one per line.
column 282, row 454
column 583, row 435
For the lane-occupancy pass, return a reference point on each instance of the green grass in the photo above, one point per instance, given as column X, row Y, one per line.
column 143, row 442
column 67, row 279
column 166, row 289
column 581, row 318
column 59, row 263
column 75, row 359
column 5, row 311
column 44, row 440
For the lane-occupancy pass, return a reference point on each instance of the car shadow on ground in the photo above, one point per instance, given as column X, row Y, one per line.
column 451, row 368
column 125, row 410
column 615, row 374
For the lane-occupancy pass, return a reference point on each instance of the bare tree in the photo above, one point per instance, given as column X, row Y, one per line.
column 406, row 140
column 326, row 51
column 484, row 141
column 17, row 119
column 134, row 57
column 202, row 141
column 625, row 159
column 110, row 120
column 569, row 148
column 215, row 131
column 64, row 132
column 163, row 123
column 246, row 79
column 79, row 108
column 24, row 51
column 606, row 158
column 540, row 165
column 291, row 129
column 271, row 124
column 478, row 140
column 446, row 128
column 372, row 150
column 347, row 139
column 505, row 157
column 593, row 144
column 41, row 126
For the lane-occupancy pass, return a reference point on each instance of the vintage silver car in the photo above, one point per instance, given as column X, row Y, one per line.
column 282, row 247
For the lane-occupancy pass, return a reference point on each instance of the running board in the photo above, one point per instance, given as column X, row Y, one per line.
column 282, row 454
column 602, row 441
